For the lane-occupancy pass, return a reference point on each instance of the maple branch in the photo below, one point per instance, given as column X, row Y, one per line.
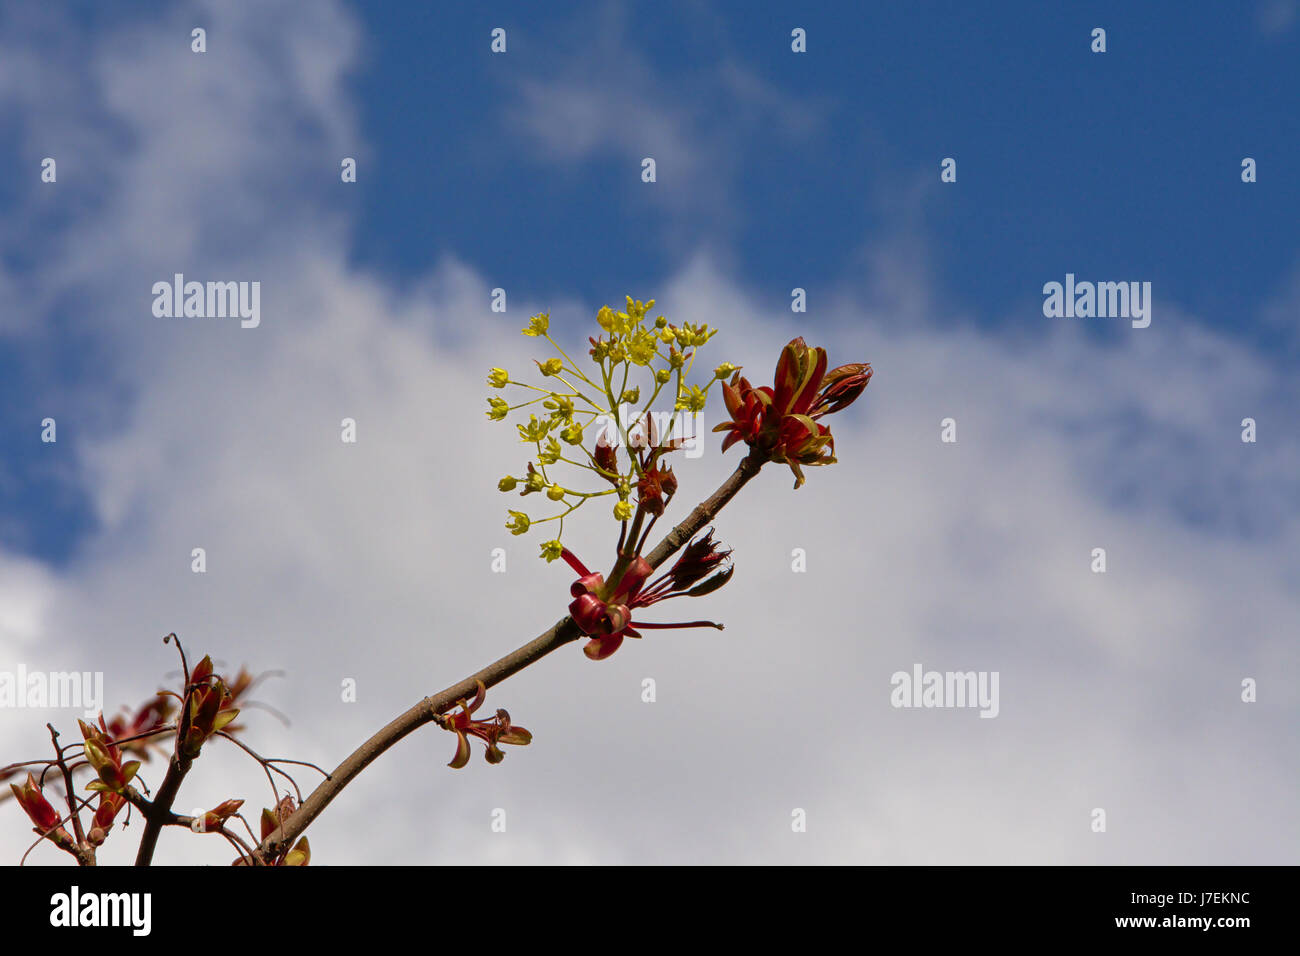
column 563, row 632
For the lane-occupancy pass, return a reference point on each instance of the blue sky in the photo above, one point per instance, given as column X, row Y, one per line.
column 1112, row 166
column 775, row 170
column 1122, row 163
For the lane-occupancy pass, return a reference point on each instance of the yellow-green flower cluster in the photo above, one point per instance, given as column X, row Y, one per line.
column 602, row 400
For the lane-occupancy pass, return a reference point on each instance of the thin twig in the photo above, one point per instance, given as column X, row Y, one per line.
column 269, row 765
column 430, row 708
column 70, row 790
column 156, row 813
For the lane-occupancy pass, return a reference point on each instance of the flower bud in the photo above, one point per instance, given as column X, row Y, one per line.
column 300, row 855
column 202, row 670
column 97, row 756
column 607, row 460
column 650, row 493
column 668, row 481
column 34, row 804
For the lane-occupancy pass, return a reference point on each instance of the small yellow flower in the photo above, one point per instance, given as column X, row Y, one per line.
column 663, row 375
column 725, row 370
column 549, row 454
column 689, row 334
column 538, row 324
column 691, row 399
column 637, row 309
column 555, row 493
column 622, row 511
column 641, row 347
column 630, row 396
column 552, row 366
column 498, row 409
column 675, row 358
column 551, row 550
column 534, row 482
column 518, row 522
column 498, row 378
column 535, row 430
column 507, row 483
column 572, row 434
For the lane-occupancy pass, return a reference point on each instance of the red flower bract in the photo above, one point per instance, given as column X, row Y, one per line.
column 604, row 612
column 493, row 731
column 780, row 422
column 40, row 811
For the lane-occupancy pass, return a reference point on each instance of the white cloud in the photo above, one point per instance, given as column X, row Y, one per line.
column 602, row 97
column 372, row 561
column 26, row 592
column 1275, row 17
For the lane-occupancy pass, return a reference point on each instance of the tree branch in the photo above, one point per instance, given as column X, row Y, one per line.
column 159, row 813
column 427, row 710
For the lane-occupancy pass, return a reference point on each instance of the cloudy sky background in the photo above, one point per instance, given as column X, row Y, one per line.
column 373, row 561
